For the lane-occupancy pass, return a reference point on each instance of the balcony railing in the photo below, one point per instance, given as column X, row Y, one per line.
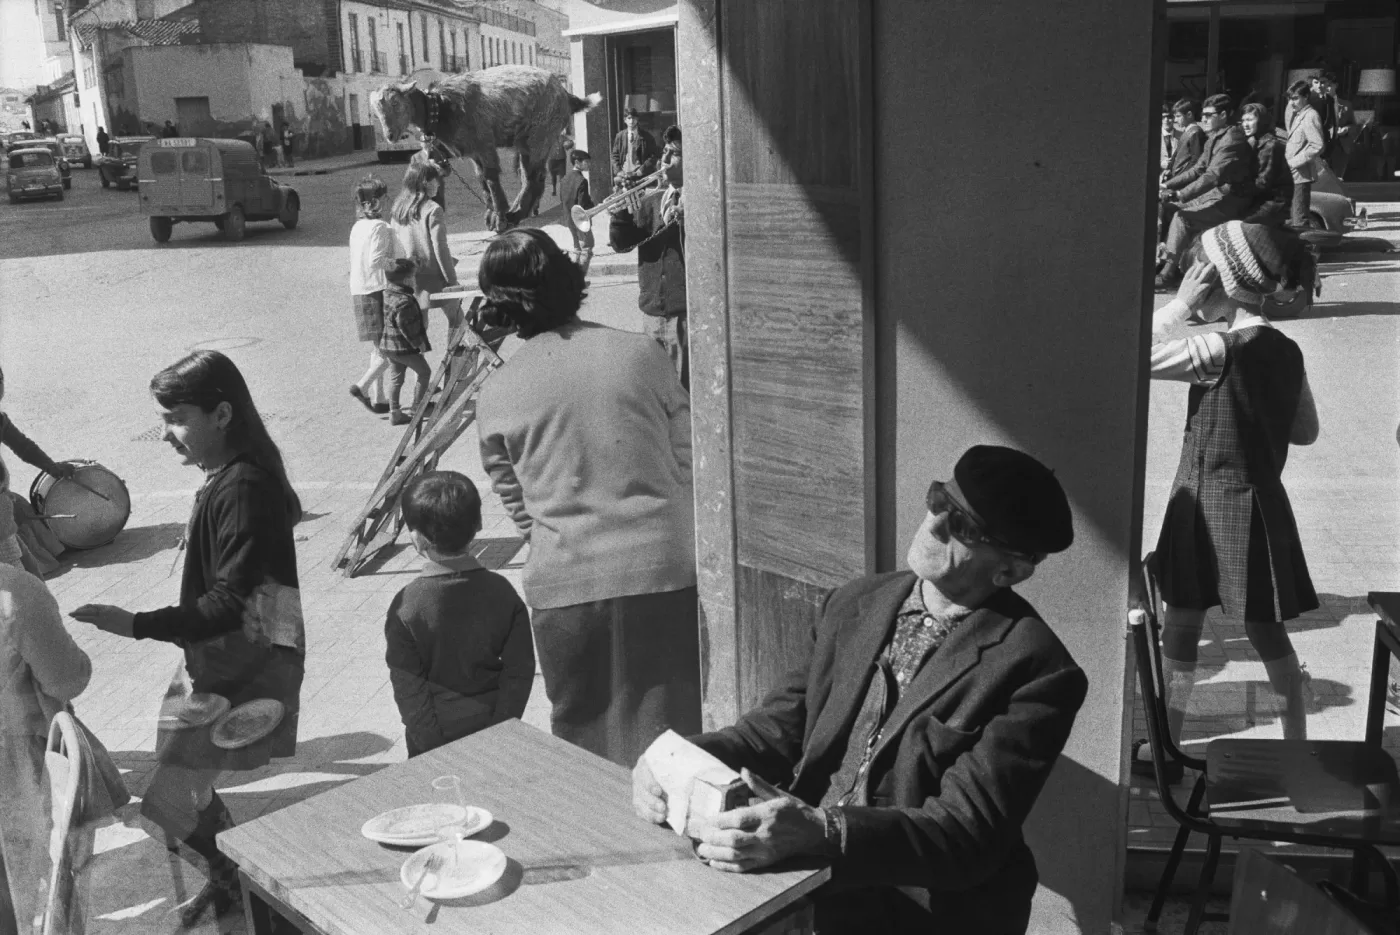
column 379, row 63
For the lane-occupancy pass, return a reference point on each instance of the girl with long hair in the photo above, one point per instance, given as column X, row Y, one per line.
column 239, row 619
column 585, row 433
column 420, row 224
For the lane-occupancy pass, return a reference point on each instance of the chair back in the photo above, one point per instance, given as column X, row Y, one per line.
column 1154, row 633
column 1269, row 899
column 63, row 771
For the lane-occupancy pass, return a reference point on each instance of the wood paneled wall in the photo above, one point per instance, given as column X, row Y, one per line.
column 796, row 164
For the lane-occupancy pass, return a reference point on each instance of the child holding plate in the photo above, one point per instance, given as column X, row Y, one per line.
column 239, row 618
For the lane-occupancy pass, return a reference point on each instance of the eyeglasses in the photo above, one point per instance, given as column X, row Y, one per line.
column 1210, row 113
column 964, row 528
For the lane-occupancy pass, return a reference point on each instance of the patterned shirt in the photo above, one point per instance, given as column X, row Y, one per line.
column 917, row 635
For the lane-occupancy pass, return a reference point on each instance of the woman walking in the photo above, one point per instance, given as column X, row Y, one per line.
column 239, row 618
column 372, row 251
column 585, row 433
column 1229, row 538
column 421, row 227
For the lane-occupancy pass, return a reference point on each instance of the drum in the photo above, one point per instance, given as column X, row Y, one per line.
column 84, row 511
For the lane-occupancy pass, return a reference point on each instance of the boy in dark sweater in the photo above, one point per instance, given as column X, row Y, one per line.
column 460, row 653
column 574, row 191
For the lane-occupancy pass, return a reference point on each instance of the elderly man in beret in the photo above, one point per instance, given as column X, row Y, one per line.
column 911, row 743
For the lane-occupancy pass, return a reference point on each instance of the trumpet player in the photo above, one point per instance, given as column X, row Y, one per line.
column 573, row 190
column 655, row 228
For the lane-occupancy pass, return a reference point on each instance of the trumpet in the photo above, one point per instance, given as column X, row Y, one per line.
column 583, row 217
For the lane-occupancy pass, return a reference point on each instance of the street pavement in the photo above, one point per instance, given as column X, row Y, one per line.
column 94, row 308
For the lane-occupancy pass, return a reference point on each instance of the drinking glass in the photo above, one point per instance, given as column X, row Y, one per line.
column 449, row 789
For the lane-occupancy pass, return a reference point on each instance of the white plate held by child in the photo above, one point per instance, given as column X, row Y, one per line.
column 417, row 825
column 476, row 866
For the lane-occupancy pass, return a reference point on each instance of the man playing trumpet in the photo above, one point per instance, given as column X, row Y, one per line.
column 634, row 153
column 655, row 227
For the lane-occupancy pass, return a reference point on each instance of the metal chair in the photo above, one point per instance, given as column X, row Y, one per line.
column 1270, row 899
column 1323, row 793
column 63, row 771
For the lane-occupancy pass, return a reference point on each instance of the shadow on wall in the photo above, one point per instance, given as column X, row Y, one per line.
column 1069, row 782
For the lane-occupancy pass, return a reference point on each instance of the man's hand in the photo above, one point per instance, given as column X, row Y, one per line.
column 757, row 836
column 106, row 617
column 648, row 798
column 63, row 470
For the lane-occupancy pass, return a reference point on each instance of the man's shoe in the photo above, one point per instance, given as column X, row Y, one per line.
column 399, row 417
column 379, row 408
column 359, row 394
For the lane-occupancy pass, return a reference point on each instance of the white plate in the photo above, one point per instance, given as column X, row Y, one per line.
column 248, row 723
column 478, row 865
column 417, row 825
column 192, row 711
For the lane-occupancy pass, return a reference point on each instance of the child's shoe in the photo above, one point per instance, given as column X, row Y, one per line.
column 399, row 417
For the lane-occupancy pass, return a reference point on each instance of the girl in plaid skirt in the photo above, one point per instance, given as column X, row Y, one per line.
column 1229, row 538
column 372, row 251
column 404, row 338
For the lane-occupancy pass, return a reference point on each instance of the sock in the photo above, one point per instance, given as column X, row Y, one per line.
column 1290, row 681
column 1180, row 678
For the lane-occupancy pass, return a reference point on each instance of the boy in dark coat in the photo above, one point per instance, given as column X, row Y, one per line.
column 574, row 191
column 460, row 653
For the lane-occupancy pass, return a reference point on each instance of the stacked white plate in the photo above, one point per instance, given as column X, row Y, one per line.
column 418, row 825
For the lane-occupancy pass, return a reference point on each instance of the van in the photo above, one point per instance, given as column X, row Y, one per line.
column 223, row 181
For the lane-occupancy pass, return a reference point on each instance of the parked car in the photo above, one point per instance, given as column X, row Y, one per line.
column 223, row 181
column 75, row 149
column 33, row 174
column 11, row 140
column 118, row 167
column 65, row 168
column 1329, row 207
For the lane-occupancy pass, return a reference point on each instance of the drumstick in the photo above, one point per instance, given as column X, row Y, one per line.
column 59, row 516
column 90, row 490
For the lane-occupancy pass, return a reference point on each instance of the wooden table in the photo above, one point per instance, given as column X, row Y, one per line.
column 580, row 861
column 1386, row 604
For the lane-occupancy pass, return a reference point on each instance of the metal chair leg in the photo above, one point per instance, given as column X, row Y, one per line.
column 1173, row 859
column 1198, row 905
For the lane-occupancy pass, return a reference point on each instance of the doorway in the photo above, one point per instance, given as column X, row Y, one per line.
column 192, row 116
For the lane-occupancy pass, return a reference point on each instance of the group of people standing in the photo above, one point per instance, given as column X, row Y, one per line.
column 1215, row 169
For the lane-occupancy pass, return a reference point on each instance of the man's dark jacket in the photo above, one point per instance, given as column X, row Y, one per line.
column 573, row 190
column 644, row 151
column 660, row 255
column 963, row 756
column 1222, row 175
column 1187, row 151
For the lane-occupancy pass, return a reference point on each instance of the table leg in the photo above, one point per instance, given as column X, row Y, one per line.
column 267, row 915
column 1380, row 681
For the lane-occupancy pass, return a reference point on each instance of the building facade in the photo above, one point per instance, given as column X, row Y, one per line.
column 381, row 43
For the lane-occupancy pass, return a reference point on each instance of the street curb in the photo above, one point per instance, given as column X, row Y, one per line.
column 324, row 170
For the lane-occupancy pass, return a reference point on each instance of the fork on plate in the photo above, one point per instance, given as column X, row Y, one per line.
column 432, row 866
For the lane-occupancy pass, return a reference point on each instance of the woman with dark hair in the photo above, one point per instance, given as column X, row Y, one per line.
column 421, row 226
column 239, row 619
column 1273, row 181
column 585, row 433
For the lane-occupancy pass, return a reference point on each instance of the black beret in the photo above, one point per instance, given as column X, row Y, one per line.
column 1015, row 498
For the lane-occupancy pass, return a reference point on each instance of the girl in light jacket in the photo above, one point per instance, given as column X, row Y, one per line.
column 421, row 226
column 41, row 670
column 1304, row 147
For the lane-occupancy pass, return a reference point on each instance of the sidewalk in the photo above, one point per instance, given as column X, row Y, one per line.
column 328, row 164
